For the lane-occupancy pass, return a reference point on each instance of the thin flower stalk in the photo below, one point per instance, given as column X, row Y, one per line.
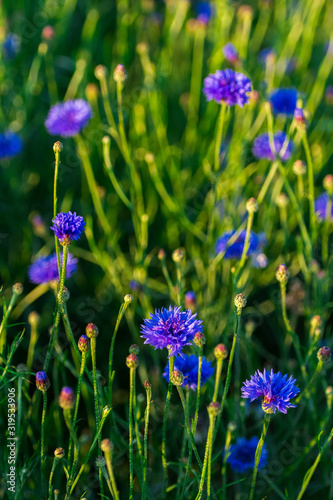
column 165, row 417
column 258, row 453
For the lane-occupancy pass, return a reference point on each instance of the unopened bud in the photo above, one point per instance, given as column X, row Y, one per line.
column 177, row 378
column 214, row 409
column 220, row 351
column 100, row 461
column 324, row 354
column 42, row 381
column 177, row 255
column 59, row 453
column 134, row 349
column 282, row 274
column 328, row 183
column 57, row 147
column 282, row 200
column 100, row 72
column 83, row 343
column 92, row 331
column 299, row 167
column 132, row 361
column 252, row 206
column 199, row 339
column 315, row 321
column 161, row 254
column 147, row 385
column 67, row 398
column 17, row 289
column 106, row 446
column 33, row 318
column 120, row 74
column 240, row 302
column 128, row 298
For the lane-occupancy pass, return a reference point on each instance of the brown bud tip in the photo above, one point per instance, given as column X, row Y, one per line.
column 252, row 206
column 177, row 378
column 17, row 289
column 220, row 351
column 282, row 274
column 324, row 354
column 132, row 361
column 214, row 408
column 147, row 385
column 177, row 255
column 92, row 331
column 199, row 339
column 59, row 453
column 83, row 343
column 161, row 254
column 57, row 147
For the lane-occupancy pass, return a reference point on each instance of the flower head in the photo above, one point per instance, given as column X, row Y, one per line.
column 188, row 365
column 10, row 46
column 170, row 328
column 68, row 118
column 262, row 148
column 228, row 86
column 190, row 300
column 10, row 144
column 67, row 398
column 230, row 52
column 321, row 206
column 284, row 101
column 242, row 453
column 275, row 389
column 234, row 249
column 45, row 268
column 68, row 226
column 203, row 11
column 42, row 381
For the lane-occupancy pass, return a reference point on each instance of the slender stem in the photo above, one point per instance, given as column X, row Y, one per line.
column 5, row 319
column 258, row 454
column 205, row 463
column 55, row 201
column 326, row 230
column 217, row 378
column 311, row 185
column 165, row 417
column 42, row 443
column 311, row 381
column 189, row 432
column 145, row 442
column 238, row 273
column 97, row 419
column 77, row 402
column 130, row 417
column 218, row 138
column 55, row 460
column 210, row 449
column 267, row 182
column 136, row 417
column 108, row 459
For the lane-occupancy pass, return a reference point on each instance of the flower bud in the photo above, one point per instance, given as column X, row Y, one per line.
column 106, row 446
column 83, row 343
column 67, row 398
column 59, row 453
column 328, row 183
column 214, row 409
column 282, row 274
column 240, row 302
column 177, row 378
column 42, row 381
column 132, row 361
column 128, row 298
column 91, row 91
column 106, row 411
column 100, row 461
column 252, row 206
column 92, row 331
column 33, row 318
column 324, row 354
column 120, row 74
column 220, row 351
column 177, row 255
column 299, row 119
column 161, row 254
column 134, row 349
column 65, row 295
column 282, row 200
column 17, row 289
column 190, row 300
column 57, row 147
column 315, row 321
column 299, row 167
column 199, row 339
column 147, row 385
column 48, row 32
column 100, row 72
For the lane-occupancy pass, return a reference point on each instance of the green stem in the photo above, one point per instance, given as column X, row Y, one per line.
column 130, row 417
column 258, row 453
column 77, row 402
column 311, row 186
column 189, row 432
column 165, row 417
column 55, row 201
column 218, row 137
column 42, row 443
column 55, row 460
column 108, row 459
column 240, row 267
column 326, row 230
column 97, row 419
column 206, row 457
column 5, row 319
column 145, row 442
column 217, row 378
column 311, row 381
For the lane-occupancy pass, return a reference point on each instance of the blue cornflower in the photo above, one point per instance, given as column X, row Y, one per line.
column 68, row 227
column 234, row 250
column 10, row 46
column 230, row 52
column 321, row 206
column 189, row 365
column 284, row 101
column 45, row 268
column 10, row 144
column 203, row 11
column 275, row 389
column 242, row 454
column 68, row 118
column 170, row 328
column 227, row 86
column 262, row 149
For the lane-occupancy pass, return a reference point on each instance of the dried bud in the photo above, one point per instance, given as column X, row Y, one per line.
column 42, row 381
column 147, row 385
column 33, row 318
column 328, row 183
column 134, row 349
column 240, row 302
column 83, row 343
column 252, row 206
column 220, row 351
column 120, row 74
column 324, row 354
column 67, row 398
column 106, row 446
column 17, row 289
column 177, row 378
column 92, row 331
column 132, row 361
column 100, row 461
column 282, row 274
column 299, row 167
column 57, row 147
column 199, row 339
column 128, row 298
column 177, row 255
column 59, row 453
column 214, row 409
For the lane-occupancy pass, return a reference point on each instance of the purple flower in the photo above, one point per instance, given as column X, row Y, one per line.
column 68, row 226
column 241, row 457
column 203, row 11
column 262, row 149
column 10, row 144
column 42, row 381
column 68, row 118
column 275, row 389
column 189, row 366
column 284, row 101
column 45, row 269
column 230, row 52
column 10, row 46
column 321, row 206
column 170, row 328
column 227, row 86
column 234, row 250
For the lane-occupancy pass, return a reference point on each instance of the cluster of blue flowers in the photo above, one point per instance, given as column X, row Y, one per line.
column 189, row 366
column 68, row 227
column 10, row 144
column 262, row 148
column 45, row 268
column 228, row 86
column 233, row 247
column 241, row 455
